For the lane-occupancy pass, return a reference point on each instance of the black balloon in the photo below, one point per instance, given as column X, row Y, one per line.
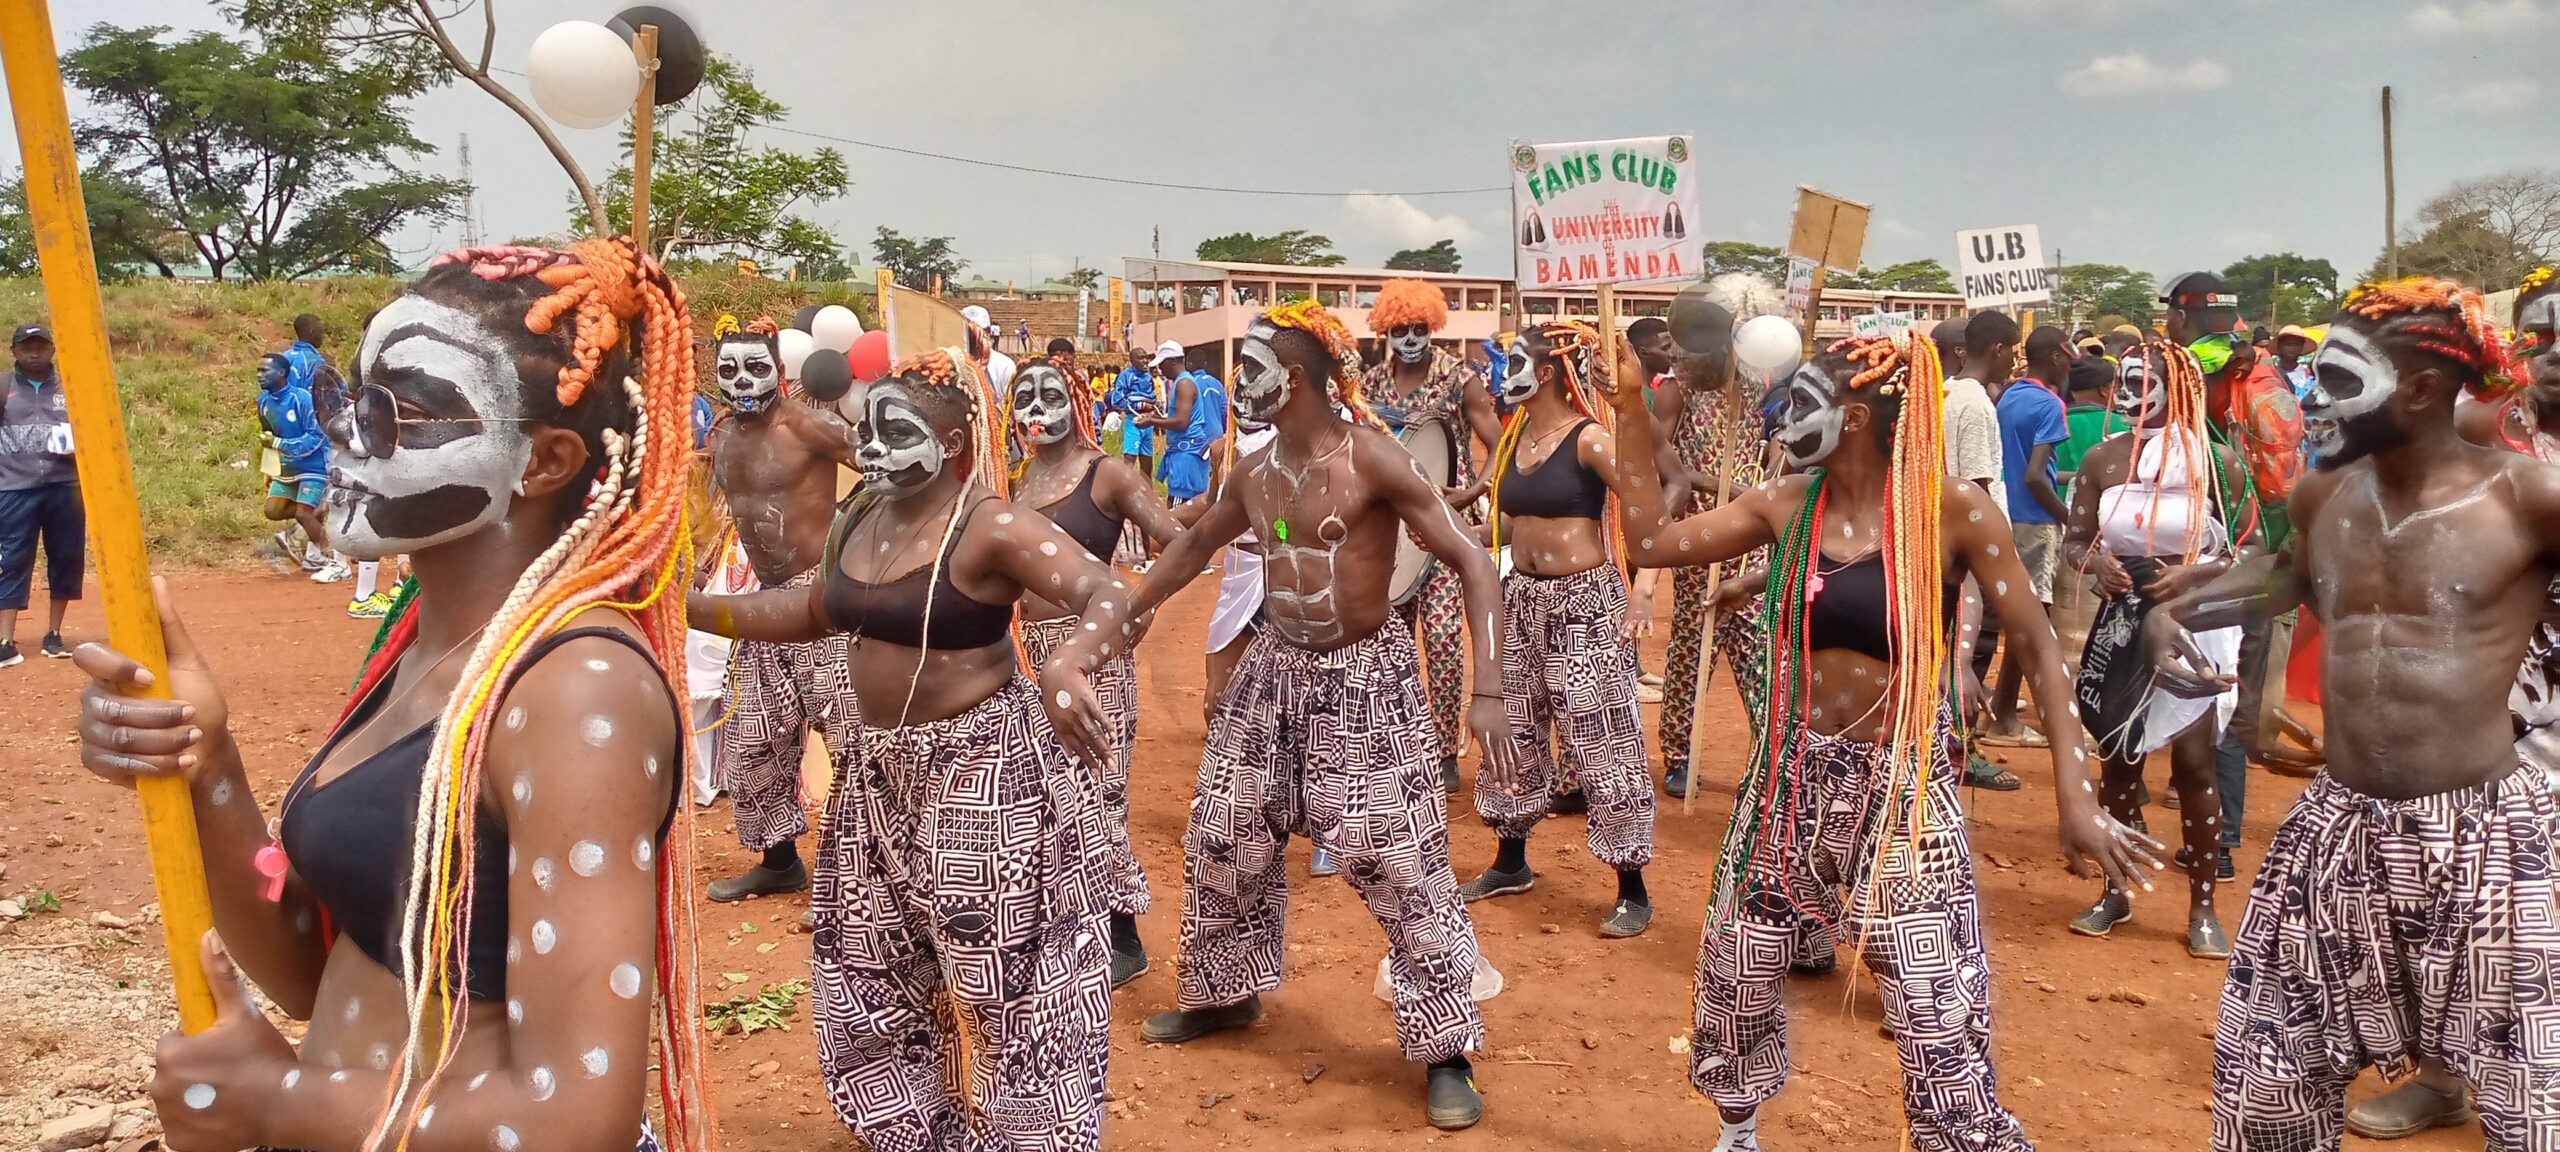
column 1698, row 325
column 679, row 49
column 800, row 319
column 826, row 375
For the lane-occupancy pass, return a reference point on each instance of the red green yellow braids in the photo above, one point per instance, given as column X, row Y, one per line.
column 1318, row 321
column 2442, row 316
column 626, row 550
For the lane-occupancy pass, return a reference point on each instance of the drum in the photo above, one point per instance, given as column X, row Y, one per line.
column 1437, row 452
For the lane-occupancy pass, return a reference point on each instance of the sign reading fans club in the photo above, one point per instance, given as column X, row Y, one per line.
column 1603, row 211
column 2002, row 267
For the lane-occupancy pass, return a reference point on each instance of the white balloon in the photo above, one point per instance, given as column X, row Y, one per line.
column 1767, row 343
column 584, row 76
column 796, row 347
column 835, row 326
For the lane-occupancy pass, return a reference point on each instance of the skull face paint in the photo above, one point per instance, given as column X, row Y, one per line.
column 1411, row 343
column 1812, row 430
column 446, row 479
column 750, row 372
column 1519, row 375
column 1041, row 406
column 2346, row 414
column 1262, row 381
column 898, row 449
column 2142, row 394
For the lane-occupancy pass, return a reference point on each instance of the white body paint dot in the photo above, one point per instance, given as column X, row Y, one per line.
column 354, row 1008
column 539, row 1084
column 593, row 1062
column 586, row 857
column 596, row 730
column 503, row 1138
column 380, row 1057
column 522, row 790
column 649, row 764
column 625, row 980
column 515, row 949
column 1065, row 700
column 292, row 1076
column 644, row 853
column 1993, row 549
column 1004, row 517
column 515, row 1011
column 1048, row 547
column 198, row 1096
column 542, row 872
column 1999, row 587
column 515, row 718
column 599, row 665
column 544, row 937
column 476, row 1082
column 426, row 1116
column 221, row 792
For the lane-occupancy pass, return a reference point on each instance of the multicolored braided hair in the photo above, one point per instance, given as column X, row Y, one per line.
column 590, row 315
column 1570, row 345
column 2442, row 317
column 1314, row 319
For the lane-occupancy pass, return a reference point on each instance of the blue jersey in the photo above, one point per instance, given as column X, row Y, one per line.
column 1131, row 385
column 1208, row 417
column 287, row 414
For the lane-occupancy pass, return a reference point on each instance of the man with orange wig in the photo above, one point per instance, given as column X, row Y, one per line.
column 1416, row 382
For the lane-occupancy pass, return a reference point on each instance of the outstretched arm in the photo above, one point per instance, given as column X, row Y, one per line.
column 1131, row 498
column 1418, row 504
column 1732, row 528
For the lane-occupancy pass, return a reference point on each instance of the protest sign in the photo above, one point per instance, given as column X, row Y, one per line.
column 2002, row 267
column 1800, row 284
column 1603, row 211
column 1828, row 229
column 1888, row 325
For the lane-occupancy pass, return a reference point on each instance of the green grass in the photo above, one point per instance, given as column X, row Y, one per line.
column 186, row 357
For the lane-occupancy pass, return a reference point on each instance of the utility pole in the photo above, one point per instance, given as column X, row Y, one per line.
column 2390, row 198
column 470, row 199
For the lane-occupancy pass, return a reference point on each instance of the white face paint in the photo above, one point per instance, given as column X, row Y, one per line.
column 898, row 450
column 445, row 480
column 1519, row 376
column 1041, row 405
column 2141, row 395
column 750, row 373
column 2351, row 381
column 1410, row 342
column 1262, row 381
column 1812, row 430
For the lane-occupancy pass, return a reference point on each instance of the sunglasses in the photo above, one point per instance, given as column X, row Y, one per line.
column 374, row 421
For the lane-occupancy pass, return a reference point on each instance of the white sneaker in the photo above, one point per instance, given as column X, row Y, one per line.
column 332, row 572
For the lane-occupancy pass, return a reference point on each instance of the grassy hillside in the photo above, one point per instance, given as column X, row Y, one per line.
column 186, row 358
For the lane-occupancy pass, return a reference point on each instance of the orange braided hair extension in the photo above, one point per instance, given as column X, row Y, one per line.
column 2442, row 316
column 1316, row 320
column 627, row 547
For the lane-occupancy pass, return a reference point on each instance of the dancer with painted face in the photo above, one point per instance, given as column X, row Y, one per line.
column 1090, row 497
column 965, row 874
column 1568, row 670
column 774, row 459
column 1418, row 381
column 2402, row 914
column 2161, row 507
column 1322, row 731
column 1854, row 784
column 518, row 429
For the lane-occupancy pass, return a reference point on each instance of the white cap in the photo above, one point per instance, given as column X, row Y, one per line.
column 977, row 315
column 1169, row 350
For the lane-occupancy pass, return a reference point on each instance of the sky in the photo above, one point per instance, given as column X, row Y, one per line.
column 2159, row 134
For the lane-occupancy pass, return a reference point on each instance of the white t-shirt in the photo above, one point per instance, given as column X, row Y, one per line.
column 1973, row 436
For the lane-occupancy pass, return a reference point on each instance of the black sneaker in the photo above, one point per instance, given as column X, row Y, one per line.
column 1495, row 882
column 1629, row 918
column 2222, row 869
column 1572, row 803
column 1676, row 782
column 1128, row 957
column 1184, row 1024
column 54, row 648
column 1452, row 1097
column 759, row 881
column 2102, row 917
column 9, row 654
column 1449, row 775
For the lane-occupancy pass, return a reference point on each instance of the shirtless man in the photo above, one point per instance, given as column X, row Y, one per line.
column 1323, row 730
column 775, row 461
column 2403, row 912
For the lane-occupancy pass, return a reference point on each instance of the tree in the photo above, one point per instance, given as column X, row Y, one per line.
column 1441, row 256
column 711, row 191
column 1294, row 247
column 1912, row 276
column 915, row 263
column 411, row 40
column 2283, row 288
column 1084, row 278
column 126, row 233
column 2097, row 290
column 1722, row 256
column 275, row 160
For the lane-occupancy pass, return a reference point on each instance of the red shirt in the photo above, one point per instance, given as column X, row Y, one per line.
column 2267, row 422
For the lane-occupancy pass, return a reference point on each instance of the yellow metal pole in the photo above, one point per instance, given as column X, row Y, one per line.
column 644, row 122
column 61, row 225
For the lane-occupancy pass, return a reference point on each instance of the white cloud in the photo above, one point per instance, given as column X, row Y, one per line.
column 2496, row 95
column 2134, row 74
column 1892, row 229
column 2098, row 9
column 2479, row 18
column 1405, row 223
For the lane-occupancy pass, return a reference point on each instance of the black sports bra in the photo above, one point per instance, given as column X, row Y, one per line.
column 349, row 839
column 1078, row 516
column 894, row 612
column 1569, row 488
column 1849, row 610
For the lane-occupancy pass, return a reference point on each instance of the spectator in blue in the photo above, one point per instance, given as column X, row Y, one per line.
column 39, row 491
column 2031, row 428
column 1133, row 394
column 1195, row 416
column 291, row 426
column 312, row 371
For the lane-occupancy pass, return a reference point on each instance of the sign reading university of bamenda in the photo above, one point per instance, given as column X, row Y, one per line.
column 1604, row 211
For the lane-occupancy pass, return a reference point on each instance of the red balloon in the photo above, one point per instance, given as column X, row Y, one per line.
column 869, row 355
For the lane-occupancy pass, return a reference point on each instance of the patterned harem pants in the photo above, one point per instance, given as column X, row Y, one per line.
column 2385, row 931
column 777, row 693
column 1566, row 672
column 1439, row 615
column 1332, row 746
column 1738, row 638
column 1116, row 682
column 961, row 963
column 1918, row 917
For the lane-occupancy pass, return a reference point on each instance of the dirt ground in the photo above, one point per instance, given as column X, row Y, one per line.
column 2102, row 1045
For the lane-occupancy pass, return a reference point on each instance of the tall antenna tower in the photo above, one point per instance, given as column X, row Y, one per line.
column 470, row 199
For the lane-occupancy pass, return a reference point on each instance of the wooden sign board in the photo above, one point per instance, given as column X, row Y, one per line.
column 1828, row 229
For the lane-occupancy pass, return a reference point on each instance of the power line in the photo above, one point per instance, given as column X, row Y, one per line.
column 1123, row 179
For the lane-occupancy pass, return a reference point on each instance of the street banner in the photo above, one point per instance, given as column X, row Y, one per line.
column 1603, row 211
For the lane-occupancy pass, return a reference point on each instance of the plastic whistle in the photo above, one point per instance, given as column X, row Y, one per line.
column 270, row 863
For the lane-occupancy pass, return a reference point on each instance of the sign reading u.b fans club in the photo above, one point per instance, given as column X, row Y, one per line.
column 1603, row 211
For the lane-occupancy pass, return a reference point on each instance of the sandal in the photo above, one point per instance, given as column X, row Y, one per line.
column 1982, row 773
column 2024, row 737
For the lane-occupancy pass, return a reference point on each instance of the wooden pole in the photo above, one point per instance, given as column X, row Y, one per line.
column 2390, row 198
column 644, row 123
column 60, row 222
